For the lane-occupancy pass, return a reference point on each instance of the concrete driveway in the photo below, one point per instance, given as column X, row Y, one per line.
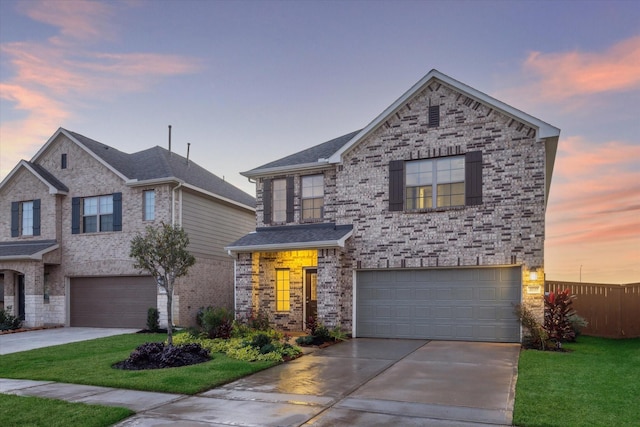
column 22, row 341
column 362, row 382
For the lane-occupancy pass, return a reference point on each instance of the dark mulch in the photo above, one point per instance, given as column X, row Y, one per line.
column 156, row 355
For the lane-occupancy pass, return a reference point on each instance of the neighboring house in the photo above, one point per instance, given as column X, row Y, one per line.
column 427, row 223
column 69, row 216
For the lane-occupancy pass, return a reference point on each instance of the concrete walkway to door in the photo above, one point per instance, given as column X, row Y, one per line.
column 361, row 382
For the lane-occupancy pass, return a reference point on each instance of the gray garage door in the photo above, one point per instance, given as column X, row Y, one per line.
column 470, row 304
column 112, row 302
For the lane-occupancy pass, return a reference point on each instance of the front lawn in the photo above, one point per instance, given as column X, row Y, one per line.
column 597, row 383
column 89, row 362
column 36, row 411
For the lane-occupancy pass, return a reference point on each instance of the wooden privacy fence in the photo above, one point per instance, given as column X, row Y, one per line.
column 613, row 311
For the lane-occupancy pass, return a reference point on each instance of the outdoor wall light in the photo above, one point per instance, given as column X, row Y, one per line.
column 533, row 275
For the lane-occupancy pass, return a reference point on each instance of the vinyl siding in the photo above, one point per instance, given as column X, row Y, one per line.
column 212, row 225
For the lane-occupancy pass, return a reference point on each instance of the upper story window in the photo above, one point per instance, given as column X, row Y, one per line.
column 279, row 203
column 96, row 214
column 149, row 205
column 63, row 161
column 25, row 218
column 312, row 197
column 26, row 228
column 277, row 200
column 435, row 183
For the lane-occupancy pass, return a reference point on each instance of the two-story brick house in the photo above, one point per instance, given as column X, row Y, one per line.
column 69, row 216
column 427, row 223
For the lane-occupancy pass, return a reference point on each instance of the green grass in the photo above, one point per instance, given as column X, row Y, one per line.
column 89, row 362
column 37, row 411
column 596, row 384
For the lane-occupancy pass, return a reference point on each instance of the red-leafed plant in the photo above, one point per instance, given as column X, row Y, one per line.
column 557, row 317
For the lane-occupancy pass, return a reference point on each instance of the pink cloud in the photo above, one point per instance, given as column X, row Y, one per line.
column 569, row 74
column 594, row 211
column 80, row 21
column 51, row 78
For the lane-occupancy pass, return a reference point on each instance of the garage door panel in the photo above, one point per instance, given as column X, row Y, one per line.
column 454, row 304
column 112, row 302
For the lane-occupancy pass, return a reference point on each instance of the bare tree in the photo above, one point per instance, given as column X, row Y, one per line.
column 162, row 251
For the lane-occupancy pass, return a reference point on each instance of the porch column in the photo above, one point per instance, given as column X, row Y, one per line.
column 34, row 295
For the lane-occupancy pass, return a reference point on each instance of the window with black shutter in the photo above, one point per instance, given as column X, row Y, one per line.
column 441, row 182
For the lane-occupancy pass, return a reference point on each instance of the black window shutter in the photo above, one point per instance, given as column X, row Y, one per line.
column 434, row 116
column 473, row 178
column 266, row 201
column 36, row 217
column 290, row 197
column 396, row 185
column 75, row 215
column 117, row 211
column 15, row 219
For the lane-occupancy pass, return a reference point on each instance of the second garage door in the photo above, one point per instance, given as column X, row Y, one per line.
column 112, row 302
column 469, row 304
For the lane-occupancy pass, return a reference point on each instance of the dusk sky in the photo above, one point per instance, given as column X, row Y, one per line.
column 247, row 82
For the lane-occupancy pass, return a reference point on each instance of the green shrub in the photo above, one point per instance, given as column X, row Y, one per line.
column 259, row 322
column 337, row 334
column 322, row 333
column 578, row 323
column 537, row 336
column 260, row 340
column 305, row 340
column 216, row 322
column 9, row 321
column 241, row 348
column 153, row 319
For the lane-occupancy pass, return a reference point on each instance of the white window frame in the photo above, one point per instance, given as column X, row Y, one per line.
column 26, row 218
column 279, row 200
column 101, row 210
column 435, row 183
column 312, row 193
column 148, row 205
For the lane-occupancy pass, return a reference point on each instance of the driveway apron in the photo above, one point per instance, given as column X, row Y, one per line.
column 362, row 382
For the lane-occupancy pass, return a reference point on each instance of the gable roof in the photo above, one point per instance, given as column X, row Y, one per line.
column 156, row 164
column 304, row 159
column 55, row 186
column 310, row 156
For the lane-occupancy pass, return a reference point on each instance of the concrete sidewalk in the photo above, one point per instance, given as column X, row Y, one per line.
column 361, row 382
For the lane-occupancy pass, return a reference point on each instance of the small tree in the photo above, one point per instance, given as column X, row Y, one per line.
column 162, row 251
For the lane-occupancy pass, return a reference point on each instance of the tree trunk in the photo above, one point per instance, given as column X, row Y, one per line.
column 170, row 317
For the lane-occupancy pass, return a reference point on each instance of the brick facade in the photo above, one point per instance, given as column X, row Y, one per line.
column 506, row 229
column 210, row 281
